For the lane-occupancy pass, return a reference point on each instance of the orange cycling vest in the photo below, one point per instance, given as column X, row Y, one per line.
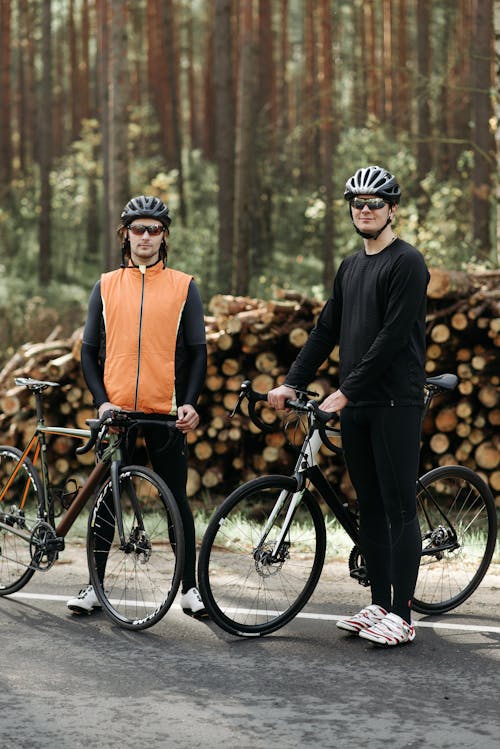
column 142, row 313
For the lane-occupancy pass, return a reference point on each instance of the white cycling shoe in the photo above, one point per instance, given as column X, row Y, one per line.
column 192, row 604
column 86, row 602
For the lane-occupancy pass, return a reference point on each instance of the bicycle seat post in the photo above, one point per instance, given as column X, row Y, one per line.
column 38, row 406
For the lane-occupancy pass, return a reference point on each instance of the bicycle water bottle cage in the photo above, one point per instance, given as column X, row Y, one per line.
column 65, row 495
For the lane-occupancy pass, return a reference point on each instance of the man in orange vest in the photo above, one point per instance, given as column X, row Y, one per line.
column 144, row 349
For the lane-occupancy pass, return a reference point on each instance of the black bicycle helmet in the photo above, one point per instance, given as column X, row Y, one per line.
column 373, row 180
column 145, row 206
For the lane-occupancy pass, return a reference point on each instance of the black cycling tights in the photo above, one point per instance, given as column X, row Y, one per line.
column 169, row 461
column 382, row 446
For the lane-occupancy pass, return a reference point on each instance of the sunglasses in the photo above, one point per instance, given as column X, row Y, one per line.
column 374, row 204
column 153, row 230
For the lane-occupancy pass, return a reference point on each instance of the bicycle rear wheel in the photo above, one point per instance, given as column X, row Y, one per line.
column 458, row 521
column 249, row 586
column 19, row 510
column 137, row 582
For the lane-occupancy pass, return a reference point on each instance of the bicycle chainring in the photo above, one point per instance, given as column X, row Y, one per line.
column 43, row 546
column 357, row 567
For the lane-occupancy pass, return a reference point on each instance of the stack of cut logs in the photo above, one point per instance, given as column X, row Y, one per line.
column 258, row 340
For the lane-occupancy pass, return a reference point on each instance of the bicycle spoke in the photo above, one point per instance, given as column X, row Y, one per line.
column 458, row 523
column 249, row 586
column 137, row 581
column 18, row 512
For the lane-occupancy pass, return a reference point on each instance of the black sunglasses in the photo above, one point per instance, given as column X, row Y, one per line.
column 374, row 204
column 153, row 230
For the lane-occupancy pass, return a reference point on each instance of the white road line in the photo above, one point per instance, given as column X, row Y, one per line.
column 319, row 617
column 429, row 625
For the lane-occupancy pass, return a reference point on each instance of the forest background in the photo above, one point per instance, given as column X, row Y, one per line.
column 246, row 116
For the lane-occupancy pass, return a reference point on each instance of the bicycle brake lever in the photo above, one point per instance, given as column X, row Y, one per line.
column 245, row 387
column 236, row 409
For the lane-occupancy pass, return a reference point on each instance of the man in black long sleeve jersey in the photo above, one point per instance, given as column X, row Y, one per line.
column 144, row 349
column 376, row 314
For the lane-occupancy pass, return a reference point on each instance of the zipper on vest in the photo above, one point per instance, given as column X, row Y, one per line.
column 142, row 268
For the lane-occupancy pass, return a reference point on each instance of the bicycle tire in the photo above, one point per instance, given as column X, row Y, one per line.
column 448, row 577
column 21, row 509
column 136, row 585
column 246, row 591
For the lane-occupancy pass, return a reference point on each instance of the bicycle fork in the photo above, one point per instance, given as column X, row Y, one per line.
column 306, row 459
column 294, row 502
column 135, row 543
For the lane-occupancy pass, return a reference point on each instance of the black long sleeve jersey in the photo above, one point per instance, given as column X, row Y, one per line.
column 376, row 314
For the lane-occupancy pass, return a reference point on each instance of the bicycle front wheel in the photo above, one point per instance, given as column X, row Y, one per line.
column 19, row 514
column 458, row 522
column 136, row 578
column 261, row 556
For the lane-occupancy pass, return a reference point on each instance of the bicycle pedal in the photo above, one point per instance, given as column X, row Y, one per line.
column 55, row 544
column 359, row 574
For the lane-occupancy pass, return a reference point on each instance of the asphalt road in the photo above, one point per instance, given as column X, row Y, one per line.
column 72, row 681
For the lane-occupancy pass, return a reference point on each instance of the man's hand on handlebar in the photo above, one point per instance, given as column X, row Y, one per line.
column 335, row 402
column 277, row 397
column 104, row 408
column 107, row 407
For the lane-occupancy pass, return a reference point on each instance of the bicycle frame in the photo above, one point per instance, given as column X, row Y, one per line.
column 36, row 449
column 307, row 469
column 109, row 465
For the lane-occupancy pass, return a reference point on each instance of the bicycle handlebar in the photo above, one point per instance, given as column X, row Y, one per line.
column 300, row 404
column 124, row 420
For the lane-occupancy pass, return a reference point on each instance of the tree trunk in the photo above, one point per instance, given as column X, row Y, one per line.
column 373, row 64
column 119, row 90
column 45, row 156
column 208, row 134
column 327, row 116
column 424, row 131
column 310, row 104
column 484, row 145
column 458, row 105
column 194, row 122
column 171, row 43
column 402, row 89
column 75, row 92
column 85, row 107
column 103, row 90
column 245, row 130
column 26, row 97
column 360, row 65
column 496, row 22
column 224, row 134
column 388, row 62
column 444, row 166
column 5, row 95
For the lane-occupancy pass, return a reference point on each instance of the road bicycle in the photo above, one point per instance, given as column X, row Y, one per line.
column 264, row 548
column 135, row 540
